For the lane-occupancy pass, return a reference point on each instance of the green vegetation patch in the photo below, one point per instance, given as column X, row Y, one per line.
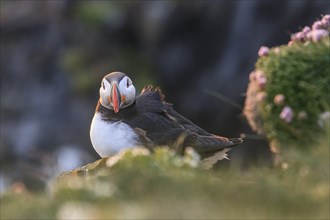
column 137, row 184
column 301, row 73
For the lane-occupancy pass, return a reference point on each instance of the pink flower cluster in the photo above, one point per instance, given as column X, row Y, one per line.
column 287, row 112
column 319, row 30
column 258, row 78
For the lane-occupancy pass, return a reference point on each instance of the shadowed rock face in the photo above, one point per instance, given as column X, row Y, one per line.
column 54, row 53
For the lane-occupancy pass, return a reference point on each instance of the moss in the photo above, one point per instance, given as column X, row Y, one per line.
column 164, row 185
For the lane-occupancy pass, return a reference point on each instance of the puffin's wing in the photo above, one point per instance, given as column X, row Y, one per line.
column 144, row 139
column 198, row 138
column 209, row 144
column 161, row 130
column 164, row 126
column 152, row 101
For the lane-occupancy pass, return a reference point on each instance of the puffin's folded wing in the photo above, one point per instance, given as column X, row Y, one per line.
column 158, row 128
column 164, row 126
column 198, row 138
column 212, row 143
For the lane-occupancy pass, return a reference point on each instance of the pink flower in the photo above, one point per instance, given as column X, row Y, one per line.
column 261, row 79
column 300, row 36
column 263, row 51
column 326, row 21
column 279, row 99
column 317, row 35
column 317, row 25
column 262, row 82
column 261, row 96
column 286, row 114
column 306, row 29
column 326, row 17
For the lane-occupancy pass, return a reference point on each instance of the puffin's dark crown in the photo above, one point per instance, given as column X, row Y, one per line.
column 114, row 76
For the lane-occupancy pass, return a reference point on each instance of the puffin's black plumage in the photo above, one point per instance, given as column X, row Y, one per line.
column 164, row 126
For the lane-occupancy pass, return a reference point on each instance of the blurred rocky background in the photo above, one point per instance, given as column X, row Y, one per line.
column 54, row 54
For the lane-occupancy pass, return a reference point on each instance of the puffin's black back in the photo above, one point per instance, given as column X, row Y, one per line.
column 163, row 125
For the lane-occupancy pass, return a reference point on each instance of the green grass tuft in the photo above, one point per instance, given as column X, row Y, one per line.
column 164, row 185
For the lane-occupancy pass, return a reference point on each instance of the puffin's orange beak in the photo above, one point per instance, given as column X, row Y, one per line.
column 115, row 97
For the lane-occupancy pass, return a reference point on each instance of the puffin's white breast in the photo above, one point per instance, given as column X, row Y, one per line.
column 108, row 138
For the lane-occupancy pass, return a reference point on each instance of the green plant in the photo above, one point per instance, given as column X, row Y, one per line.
column 288, row 95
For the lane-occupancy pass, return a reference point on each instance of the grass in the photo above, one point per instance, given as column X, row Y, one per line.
column 139, row 185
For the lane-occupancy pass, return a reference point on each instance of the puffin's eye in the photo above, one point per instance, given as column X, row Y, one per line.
column 103, row 85
column 128, row 83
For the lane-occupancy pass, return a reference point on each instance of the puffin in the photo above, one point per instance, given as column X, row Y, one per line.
column 123, row 120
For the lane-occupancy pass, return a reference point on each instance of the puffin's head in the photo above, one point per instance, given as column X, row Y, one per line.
column 117, row 91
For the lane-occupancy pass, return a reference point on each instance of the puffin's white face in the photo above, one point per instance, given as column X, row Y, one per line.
column 116, row 95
